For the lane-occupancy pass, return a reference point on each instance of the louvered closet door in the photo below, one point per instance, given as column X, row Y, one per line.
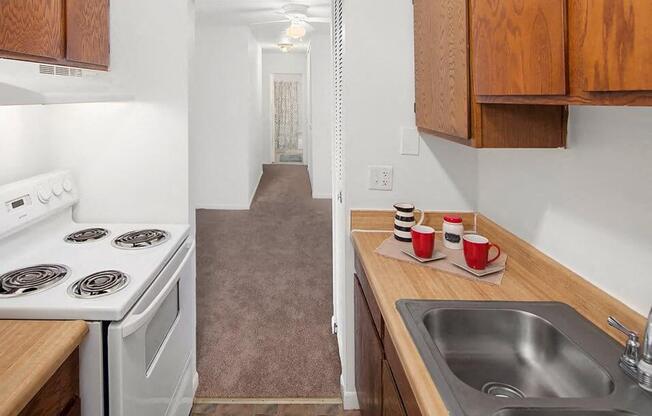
column 339, row 211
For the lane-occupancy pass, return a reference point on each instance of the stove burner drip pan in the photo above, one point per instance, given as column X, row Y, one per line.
column 99, row 284
column 31, row 280
column 87, row 235
column 134, row 240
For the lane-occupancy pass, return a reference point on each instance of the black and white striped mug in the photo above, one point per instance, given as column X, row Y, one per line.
column 404, row 221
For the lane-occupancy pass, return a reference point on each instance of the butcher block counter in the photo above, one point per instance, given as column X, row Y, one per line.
column 529, row 276
column 39, row 367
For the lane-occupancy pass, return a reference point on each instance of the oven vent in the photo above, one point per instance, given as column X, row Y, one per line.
column 46, row 69
column 59, row 70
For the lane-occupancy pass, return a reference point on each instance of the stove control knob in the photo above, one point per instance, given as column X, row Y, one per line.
column 57, row 189
column 67, row 185
column 44, row 194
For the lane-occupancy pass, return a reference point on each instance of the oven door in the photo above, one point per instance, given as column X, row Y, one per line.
column 152, row 351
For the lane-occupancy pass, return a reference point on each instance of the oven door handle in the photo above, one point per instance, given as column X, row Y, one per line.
column 134, row 322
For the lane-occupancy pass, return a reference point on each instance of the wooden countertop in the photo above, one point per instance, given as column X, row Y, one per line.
column 530, row 276
column 30, row 353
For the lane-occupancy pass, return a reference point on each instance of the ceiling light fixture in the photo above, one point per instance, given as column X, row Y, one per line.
column 285, row 46
column 296, row 30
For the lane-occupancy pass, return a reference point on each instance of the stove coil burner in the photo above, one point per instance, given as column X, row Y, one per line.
column 31, row 279
column 99, row 284
column 87, row 235
column 141, row 239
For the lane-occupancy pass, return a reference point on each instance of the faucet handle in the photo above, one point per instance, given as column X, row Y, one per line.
column 613, row 322
column 631, row 355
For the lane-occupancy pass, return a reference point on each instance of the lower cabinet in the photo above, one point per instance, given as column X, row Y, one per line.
column 368, row 358
column 381, row 383
column 392, row 403
column 60, row 394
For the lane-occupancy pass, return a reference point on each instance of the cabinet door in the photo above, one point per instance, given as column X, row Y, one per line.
column 519, row 47
column 400, row 378
column 392, row 404
column 368, row 358
column 32, row 27
column 60, row 394
column 87, row 23
column 441, row 66
column 616, row 45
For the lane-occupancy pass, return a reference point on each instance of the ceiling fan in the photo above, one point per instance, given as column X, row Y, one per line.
column 296, row 14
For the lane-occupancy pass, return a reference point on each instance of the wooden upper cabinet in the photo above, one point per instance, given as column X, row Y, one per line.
column 615, row 42
column 32, row 27
column 441, row 67
column 446, row 103
column 88, row 31
column 519, row 47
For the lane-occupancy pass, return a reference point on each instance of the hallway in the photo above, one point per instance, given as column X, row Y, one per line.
column 264, row 294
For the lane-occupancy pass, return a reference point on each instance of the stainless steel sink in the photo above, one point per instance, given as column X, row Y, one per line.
column 521, row 359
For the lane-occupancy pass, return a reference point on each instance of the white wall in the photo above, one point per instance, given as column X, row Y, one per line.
column 276, row 62
column 590, row 206
column 24, row 147
column 225, row 144
column 132, row 152
column 255, row 114
column 320, row 114
column 378, row 100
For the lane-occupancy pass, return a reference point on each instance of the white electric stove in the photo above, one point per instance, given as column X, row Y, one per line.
column 134, row 284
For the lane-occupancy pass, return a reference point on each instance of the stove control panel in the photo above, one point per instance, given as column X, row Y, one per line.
column 33, row 199
column 57, row 188
column 44, row 194
column 19, row 203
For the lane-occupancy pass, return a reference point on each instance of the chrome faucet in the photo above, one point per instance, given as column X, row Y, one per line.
column 636, row 360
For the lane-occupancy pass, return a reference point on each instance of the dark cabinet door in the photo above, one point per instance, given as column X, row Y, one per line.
column 368, row 358
column 32, row 27
column 519, row 47
column 60, row 394
column 392, row 404
column 615, row 38
column 87, row 27
column 442, row 67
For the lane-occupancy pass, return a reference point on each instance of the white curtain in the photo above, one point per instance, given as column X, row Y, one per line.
column 286, row 115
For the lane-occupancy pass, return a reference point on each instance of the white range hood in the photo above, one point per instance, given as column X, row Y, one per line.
column 27, row 83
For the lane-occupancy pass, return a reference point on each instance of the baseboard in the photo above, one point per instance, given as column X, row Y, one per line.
column 349, row 398
column 321, row 196
column 253, row 195
column 233, row 207
column 228, row 207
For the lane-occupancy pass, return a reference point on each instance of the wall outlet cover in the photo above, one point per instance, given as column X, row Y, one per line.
column 410, row 140
column 381, row 178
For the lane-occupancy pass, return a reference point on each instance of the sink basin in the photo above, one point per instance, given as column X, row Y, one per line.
column 521, row 359
column 514, row 353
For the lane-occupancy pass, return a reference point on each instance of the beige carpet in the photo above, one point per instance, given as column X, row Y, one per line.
column 264, row 294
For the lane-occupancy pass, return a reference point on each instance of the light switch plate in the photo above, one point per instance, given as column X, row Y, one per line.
column 410, row 140
column 381, row 178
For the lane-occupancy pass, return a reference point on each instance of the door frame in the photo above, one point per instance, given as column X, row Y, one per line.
column 302, row 114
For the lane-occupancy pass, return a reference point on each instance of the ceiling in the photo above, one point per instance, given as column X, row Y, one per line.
column 254, row 13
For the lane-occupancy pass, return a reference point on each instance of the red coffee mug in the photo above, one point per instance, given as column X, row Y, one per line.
column 476, row 251
column 423, row 241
